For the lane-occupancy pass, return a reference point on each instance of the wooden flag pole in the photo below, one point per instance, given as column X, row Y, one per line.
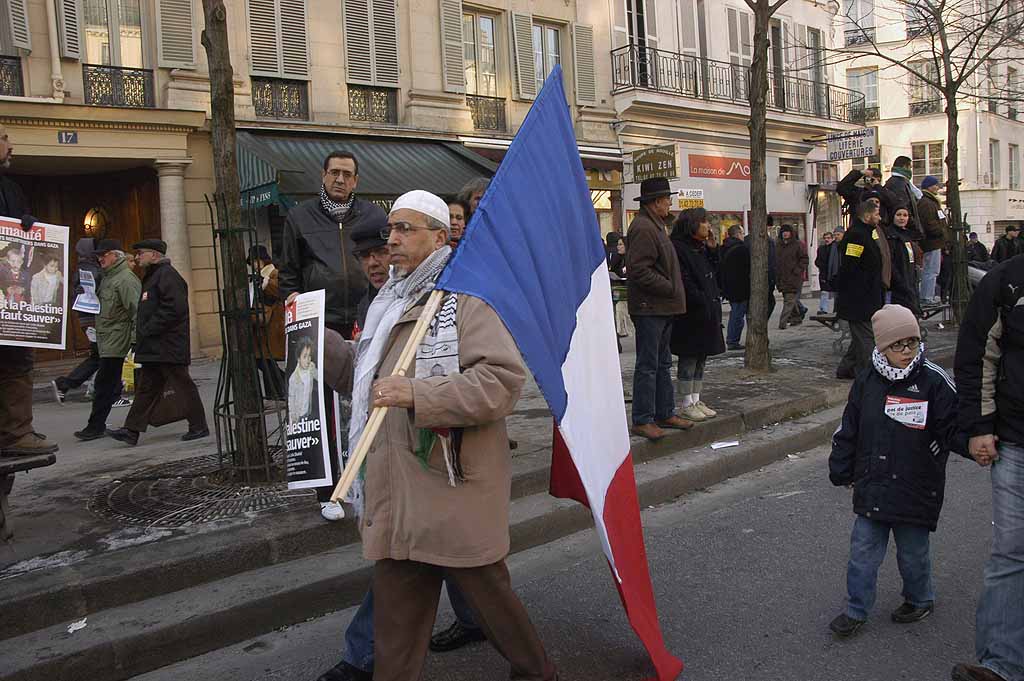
column 355, row 460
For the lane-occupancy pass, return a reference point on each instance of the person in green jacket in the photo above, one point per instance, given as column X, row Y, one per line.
column 119, row 293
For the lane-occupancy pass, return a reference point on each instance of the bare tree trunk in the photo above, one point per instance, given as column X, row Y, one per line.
column 758, row 356
column 240, row 353
column 960, row 293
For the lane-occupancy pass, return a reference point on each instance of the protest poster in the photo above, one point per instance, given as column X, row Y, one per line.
column 33, row 273
column 87, row 301
column 308, row 454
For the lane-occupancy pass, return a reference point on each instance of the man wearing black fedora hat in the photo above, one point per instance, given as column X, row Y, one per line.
column 656, row 296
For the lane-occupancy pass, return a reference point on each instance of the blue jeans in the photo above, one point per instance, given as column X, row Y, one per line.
column 737, row 316
column 359, row 635
column 868, row 544
column 932, row 264
column 1000, row 623
column 653, row 393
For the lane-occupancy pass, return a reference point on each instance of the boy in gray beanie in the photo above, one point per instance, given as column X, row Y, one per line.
column 897, row 431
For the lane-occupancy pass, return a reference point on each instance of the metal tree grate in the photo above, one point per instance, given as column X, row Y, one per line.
column 187, row 492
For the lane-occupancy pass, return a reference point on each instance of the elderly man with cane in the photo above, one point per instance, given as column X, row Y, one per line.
column 434, row 493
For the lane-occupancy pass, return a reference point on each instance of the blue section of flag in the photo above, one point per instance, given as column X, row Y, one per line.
column 534, row 242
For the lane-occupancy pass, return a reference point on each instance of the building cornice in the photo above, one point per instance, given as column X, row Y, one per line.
column 49, row 115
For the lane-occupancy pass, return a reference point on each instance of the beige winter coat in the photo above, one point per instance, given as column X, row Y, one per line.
column 411, row 512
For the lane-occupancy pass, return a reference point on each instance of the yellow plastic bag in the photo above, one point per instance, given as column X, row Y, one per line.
column 128, row 372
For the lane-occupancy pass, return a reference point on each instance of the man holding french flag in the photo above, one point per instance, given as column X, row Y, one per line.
column 529, row 278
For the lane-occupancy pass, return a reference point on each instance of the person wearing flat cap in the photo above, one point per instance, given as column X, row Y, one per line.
column 118, row 293
column 434, row 494
column 162, row 346
column 655, row 295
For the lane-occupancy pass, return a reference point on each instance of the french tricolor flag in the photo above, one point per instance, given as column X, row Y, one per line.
column 534, row 252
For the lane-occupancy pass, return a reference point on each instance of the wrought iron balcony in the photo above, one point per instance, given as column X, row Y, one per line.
column 488, row 112
column 860, row 35
column 278, row 98
column 118, row 86
column 871, row 113
column 917, row 28
column 10, row 77
column 635, row 67
column 928, row 106
column 373, row 104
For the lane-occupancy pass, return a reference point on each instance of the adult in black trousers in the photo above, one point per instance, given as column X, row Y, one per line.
column 162, row 346
column 859, row 288
column 87, row 262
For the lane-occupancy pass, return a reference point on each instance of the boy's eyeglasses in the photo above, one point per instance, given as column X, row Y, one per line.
column 905, row 344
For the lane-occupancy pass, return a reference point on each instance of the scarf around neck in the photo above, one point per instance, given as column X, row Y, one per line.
column 337, row 211
column 891, row 373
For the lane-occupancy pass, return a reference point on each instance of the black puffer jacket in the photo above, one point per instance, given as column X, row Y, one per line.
column 698, row 331
column 903, row 285
column 161, row 326
column 898, row 471
column 318, row 254
column 858, row 285
column 734, row 270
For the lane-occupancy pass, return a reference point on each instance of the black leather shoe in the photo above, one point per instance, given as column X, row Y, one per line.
column 970, row 672
column 129, row 437
column 908, row 613
column 195, row 435
column 85, row 435
column 343, row 671
column 454, row 637
column 844, row 626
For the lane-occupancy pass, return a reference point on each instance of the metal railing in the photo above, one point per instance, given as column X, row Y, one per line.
column 928, row 106
column 373, row 104
column 916, row 28
column 860, row 35
column 279, row 98
column 118, row 86
column 488, row 112
column 648, row 68
column 871, row 113
column 11, row 84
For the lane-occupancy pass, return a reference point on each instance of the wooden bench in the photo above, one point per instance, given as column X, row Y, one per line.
column 9, row 465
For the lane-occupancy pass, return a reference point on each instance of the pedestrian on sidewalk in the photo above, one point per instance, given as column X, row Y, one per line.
column 935, row 228
column 976, row 251
column 1008, row 245
column 17, row 436
column 655, row 294
column 821, row 259
column 115, row 333
column 989, row 368
column 162, row 346
column 458, row 212
column 734, row 274
column 903, row 282
column 792, row 265
column 697, row 333
column 85, row 248
column 270, row 324
column 422, row 519
column 860, row 291
column 891, row 448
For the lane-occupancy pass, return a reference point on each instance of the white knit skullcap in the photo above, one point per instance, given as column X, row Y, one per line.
column 424, row 202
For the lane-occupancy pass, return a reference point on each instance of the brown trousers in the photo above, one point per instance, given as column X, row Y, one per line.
column 153, row 379
column 15, row 393
column 405, row 604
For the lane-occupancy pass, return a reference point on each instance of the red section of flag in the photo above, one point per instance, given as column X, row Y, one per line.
column 626, row 536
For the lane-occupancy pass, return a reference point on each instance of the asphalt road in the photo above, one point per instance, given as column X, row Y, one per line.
column 748, row 575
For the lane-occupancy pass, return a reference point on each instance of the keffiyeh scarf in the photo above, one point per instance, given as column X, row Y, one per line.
column 890, row 372
column 336, row 210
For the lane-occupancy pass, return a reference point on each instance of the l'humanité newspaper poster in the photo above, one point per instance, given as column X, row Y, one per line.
column 308, row 453
column 33, row 284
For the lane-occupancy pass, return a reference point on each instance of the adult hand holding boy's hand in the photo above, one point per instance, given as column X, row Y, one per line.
column 983, row 449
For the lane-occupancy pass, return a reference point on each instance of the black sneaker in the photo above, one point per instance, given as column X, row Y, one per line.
column 454, row 637
column 343, row 671
column 909, row 613
column 129, row 437
column 195, row 435
column 59, row 394
column 90, row 434
column 844, row 626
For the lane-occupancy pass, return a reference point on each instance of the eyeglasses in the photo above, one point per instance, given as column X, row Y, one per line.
column 905, row 344
column 336, row 173
column 402, row 228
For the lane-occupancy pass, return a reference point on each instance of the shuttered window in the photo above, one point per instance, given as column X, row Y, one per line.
column 15, row 14
column 278, row 38
column 371, row 42
column 69, row 24
column 583, row 66
column 453, row 67
column 741, row 44
column 522, row 39
column 176, row 33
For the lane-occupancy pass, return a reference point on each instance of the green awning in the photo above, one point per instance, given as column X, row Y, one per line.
column 387, row 167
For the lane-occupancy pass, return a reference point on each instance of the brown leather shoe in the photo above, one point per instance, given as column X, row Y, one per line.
column 970, row 672
column 677, row 422
column 29, row 445
column 649, row 431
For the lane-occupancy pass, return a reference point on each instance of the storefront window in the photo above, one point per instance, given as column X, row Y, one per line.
column 721, row 222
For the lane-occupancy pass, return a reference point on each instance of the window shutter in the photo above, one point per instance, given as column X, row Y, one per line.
column 453, row 69
column 620, row 31
column 583, row 51
column 526, row 77
column 69, row 13
column 385, row 43
column 18, row 15
column 176, row 34
column 263, row 38
column 294, row 48
column 651, row 21
column 358, row 57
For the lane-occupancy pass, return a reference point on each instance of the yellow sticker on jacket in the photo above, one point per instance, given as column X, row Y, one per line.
column 854, row 250
column 874, row 234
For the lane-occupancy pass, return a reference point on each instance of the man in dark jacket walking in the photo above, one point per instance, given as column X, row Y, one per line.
column 989, row 368
column 1008, row 245
column 934, row 225
column 656, row 296
column 860, row 291
column 734, row 273
column 976, row 251
column 792, row 265
column 17, row 437
column 821, row 259
column 162, row 346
